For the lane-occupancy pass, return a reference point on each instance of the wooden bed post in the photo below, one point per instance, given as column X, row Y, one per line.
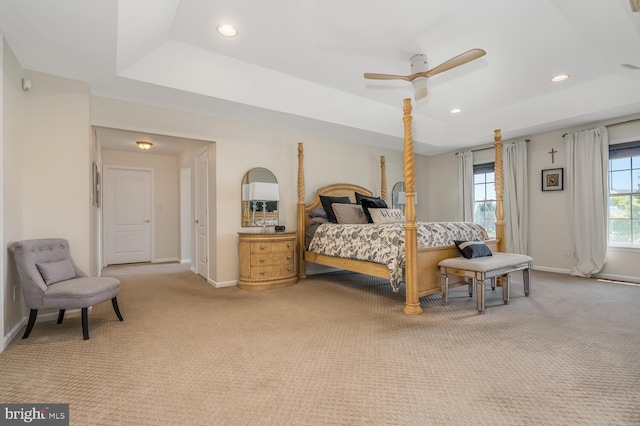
column 499, row 183
column 412, row 302
column 302, row 273
column 383, row 179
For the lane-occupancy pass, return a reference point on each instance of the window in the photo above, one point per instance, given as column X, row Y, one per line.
column 624, row 194
column 484, row 197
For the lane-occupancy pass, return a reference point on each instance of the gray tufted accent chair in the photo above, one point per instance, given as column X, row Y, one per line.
column 50, row 279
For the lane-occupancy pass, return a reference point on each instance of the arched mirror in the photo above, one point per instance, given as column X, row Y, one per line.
column 398, row 196
column 260, row 198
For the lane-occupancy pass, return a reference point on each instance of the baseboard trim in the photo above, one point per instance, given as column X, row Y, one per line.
column 13, row 332
column 192, row 269
column 185, row 261
column 222, row 284
column 167, row 260
column 622, row 278
column 547, row 269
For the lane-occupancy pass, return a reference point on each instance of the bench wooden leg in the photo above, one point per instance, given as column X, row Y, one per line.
column 480, row 295
column 505, row 289
column 444, row 287
column 526, row 277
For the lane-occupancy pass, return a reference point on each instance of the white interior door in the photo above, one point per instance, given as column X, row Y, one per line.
column 128, row 218
column 202, row 244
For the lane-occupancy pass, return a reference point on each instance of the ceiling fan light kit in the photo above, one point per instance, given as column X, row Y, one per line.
column 420, row 72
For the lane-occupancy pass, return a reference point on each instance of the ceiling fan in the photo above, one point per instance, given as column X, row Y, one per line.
column 420, row 72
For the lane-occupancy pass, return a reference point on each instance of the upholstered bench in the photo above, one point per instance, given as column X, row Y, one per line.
column 479, row 269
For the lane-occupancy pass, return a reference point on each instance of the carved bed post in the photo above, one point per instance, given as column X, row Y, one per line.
column 302, row 273
column 499, row 183
column 383, row 179
column 412, row 303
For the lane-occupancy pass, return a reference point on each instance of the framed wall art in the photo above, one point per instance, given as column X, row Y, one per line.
column 553, row 179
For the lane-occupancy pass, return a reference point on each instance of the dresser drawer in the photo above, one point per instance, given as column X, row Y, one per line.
column 268, row 259
column 273, row 272
column 272, row 247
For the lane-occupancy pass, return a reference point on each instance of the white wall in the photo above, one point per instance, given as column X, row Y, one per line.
column 166, row 210
column 11, row 109
column 549, row 235
column 46, row 169
column 239, row 147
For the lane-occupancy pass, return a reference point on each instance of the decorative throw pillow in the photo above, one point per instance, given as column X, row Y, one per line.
column 318, row 212
column 360, row 196
column 349, row 213
column 327, row 201
column 372, row 202
column 54, row 272
column 471, row 249
column 387, row 215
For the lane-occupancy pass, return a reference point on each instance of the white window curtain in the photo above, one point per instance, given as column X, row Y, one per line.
column 465, row 182
column 516, row 206
column 587, row 169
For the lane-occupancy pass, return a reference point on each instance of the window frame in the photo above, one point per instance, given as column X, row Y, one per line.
column 629, row 149
column 478, row 169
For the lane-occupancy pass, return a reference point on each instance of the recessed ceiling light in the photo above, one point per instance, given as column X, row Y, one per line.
column 561, row 77
column 455, row 110
column 227, row 30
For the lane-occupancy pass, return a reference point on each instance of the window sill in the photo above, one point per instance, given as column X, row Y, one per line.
column 624, row 248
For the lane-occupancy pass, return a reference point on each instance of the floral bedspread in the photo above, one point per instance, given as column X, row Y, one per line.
column 384, row 243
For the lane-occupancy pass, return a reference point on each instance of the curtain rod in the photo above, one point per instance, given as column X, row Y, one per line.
column 491, row 147
column 609, row 125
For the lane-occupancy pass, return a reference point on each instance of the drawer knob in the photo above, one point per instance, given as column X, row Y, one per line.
column 289, row 269
column 262, row 247
column 289, row 245
column 261, row 272
column 289, row 257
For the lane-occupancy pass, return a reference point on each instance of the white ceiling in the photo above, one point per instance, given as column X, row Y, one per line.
column 298, row 64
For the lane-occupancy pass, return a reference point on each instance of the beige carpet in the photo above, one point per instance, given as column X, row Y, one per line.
column 337, row 350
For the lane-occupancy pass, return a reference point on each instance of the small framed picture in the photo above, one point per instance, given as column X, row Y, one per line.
column 553, row 179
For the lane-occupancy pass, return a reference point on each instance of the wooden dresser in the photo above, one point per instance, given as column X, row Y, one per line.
column 267, row 260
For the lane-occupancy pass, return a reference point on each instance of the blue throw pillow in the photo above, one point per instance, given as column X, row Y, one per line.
column 471, row 249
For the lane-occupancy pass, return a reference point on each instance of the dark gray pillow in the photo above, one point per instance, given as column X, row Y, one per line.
column 327, row 200
column 318, row 212
column 371, row 202
column 54, row 272
column 471, row 249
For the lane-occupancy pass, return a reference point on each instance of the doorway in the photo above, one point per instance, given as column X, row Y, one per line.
column 128, row 215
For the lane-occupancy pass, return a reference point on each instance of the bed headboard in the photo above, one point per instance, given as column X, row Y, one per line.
column 337, row 190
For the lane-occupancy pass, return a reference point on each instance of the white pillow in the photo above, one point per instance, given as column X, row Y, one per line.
column 387, row 215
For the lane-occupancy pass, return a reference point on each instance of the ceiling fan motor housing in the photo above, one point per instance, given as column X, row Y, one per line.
column 419, row 63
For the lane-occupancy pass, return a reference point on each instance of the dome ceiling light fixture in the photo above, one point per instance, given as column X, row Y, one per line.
column 144, row 145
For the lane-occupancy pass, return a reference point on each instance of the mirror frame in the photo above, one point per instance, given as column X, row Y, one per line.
column 398, row 187
column 247, row 212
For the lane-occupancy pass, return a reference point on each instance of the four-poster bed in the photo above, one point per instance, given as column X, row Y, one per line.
column 421, row 273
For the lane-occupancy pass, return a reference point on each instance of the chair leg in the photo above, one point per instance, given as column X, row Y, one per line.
column 114, row 302
column 60, row 316
column 85, row 324
column 32, row 320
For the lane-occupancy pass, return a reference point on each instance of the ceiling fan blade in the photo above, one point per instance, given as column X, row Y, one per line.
column 456, row 61
column 373, row 76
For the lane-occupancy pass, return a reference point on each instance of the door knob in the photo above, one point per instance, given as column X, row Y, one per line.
column 147, row 220
column 196, row 221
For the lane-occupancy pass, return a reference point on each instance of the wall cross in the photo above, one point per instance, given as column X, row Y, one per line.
column 552, row 152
